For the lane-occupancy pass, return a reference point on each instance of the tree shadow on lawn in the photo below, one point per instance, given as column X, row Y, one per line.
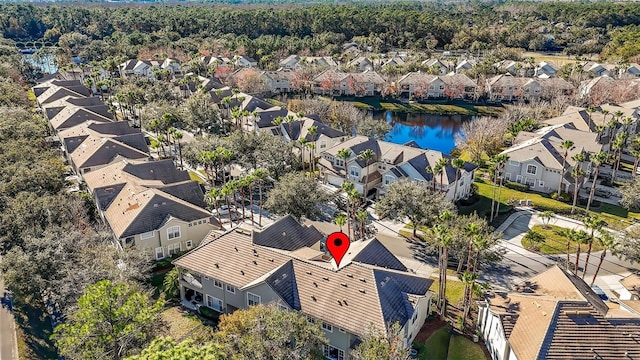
column 35, row 325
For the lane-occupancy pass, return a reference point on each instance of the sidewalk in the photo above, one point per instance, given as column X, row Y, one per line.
column 8, row 339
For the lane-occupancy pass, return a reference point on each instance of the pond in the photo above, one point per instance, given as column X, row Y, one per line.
column 430, row 131
column 46, row 63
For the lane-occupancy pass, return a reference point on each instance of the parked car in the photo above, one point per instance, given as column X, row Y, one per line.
column 602, row 193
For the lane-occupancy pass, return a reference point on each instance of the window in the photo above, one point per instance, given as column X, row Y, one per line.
column 253, row 299
column 507, row 176
column 388, row 179
column 173, row 249
column 159, row 253
column 283, row 307
column 217, row 284
column 327, row 327
column 323, row 144
column 532, row 169
column 173, row 232
column 354, row 171
column 231, row 289
column 129, row 240
column 214, row 303
column 147, row 235
column 189, row 244
column 339, row 162
column 332, row 353
column 540, row 183
column 514, row 163
column 341, row 330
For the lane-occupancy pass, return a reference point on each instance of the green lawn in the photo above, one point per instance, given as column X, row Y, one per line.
column 445, row 345
column 555, row 242
column 195, row 177
column 461, row 348
column 433, row 107
column 616, row 217
column 437, row 345
column 455, row 290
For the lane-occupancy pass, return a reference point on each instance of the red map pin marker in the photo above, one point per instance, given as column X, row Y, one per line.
column 338, row 244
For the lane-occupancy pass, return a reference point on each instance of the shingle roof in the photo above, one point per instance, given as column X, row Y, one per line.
column 95, row 151
column 72, row 116
column 287, row 234
column 556, row 315
column 351, row 298
column 136, row 210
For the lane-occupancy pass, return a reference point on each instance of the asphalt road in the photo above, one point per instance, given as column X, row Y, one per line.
column 8, row 344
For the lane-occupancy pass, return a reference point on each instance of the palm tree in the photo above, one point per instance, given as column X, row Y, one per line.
column 302, row 142
column 579, row 237
column 177, row 136
column 469, row 279
column 608, row 243
column 313, row 131
column 546, row 216
column 310, row 147
column 618, row 145
column 533, row 237
column 597, row 159
column 225, row 155
column 362, row 216
column 208, row 159
column 457, row 164
column 590, row 110
column 566, row 145
column 347, row 187
column 344, row 155
column 227, row 190
column 213, row 197
column 367, row 156
column 171, row 283
column 429, row 170
column 354, row 199
column 260, row 175
column 593, row 223
column 501, row 162
column 635, row 151
column 340, row 220
column 441, row 167
column 578, row 176
column 443, row 239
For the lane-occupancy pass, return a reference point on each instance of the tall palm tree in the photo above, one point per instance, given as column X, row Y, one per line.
column 457, row 164
column 501, row 163
column 177, row 136
column 618, row 146
column 213, row 198
column 347, row 187
column 593, row 223
column 340, row 220
column 344, row 155
column 608, row 243
column 354, row 198
column 441, row 168
column 580, row 237
column 597, row 159
column 468, row 279
column 635, row 151
column 362, row 216
column 443, row 239
column 566, row 146
column 260, row 175
column 310, row 147
column 366, row 156
column 228, row 190
column 578, row 176
column 225, row 155
column 429, row 170
column 303, row 143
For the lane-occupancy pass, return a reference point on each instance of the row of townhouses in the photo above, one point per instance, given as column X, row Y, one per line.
column 146, row 203
column 283, row 265
column 536, row 158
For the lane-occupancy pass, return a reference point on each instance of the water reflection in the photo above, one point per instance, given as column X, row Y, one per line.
column 430, row 131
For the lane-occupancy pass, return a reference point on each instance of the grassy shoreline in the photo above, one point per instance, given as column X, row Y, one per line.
column 438, row 107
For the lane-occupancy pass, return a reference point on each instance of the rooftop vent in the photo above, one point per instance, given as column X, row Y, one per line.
column 235, row 247
column 217, row 265
column 313, row 298
column 361, row 290
column 344, row 284
column 325, row 278
column 315, row 284
column 308, row 272
column 350, row 275
column 242, row 272
column 255, row 262
column 363, row 280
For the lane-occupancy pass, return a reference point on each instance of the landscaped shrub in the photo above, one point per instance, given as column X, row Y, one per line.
column 209, row 313
column 563, row 196
column 516, row 186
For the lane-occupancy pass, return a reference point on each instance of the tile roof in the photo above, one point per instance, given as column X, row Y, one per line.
column 350, row 298
column 300, row 129
column 632, row 284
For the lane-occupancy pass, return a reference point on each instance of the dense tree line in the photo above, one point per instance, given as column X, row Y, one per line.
column 268, row 33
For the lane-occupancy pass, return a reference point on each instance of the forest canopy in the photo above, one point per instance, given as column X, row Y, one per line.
column 271, row 32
